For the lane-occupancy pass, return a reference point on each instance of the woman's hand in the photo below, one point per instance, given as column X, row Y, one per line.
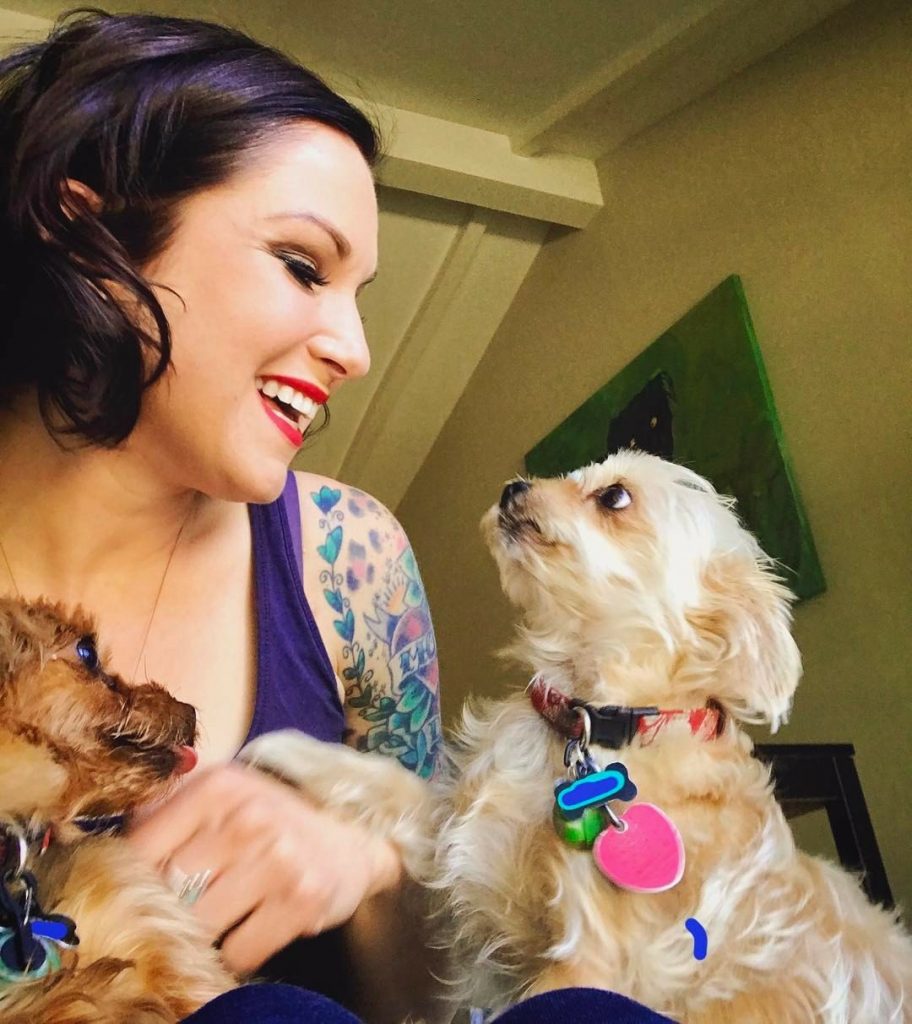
column 281, row 867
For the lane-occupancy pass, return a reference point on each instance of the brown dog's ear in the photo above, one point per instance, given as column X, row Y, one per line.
column 743, row 640
column 26, row 626
column 10, row 638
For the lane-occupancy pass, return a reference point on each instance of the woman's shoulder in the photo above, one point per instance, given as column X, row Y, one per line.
column 355, row 537
column 328, row 503
column 314, row 485
column 369, row 601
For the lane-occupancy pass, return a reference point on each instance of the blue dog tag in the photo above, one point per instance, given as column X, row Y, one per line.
column 612, row 783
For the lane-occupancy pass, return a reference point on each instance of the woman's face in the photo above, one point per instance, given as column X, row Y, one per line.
column 265, row 271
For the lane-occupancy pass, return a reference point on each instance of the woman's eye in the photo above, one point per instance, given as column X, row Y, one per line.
column 303, row 271
column 87, row 653
column 614, row 497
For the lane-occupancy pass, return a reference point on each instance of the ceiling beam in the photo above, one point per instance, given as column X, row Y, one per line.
column 684, row 58
column 625, row 71
column 470, row 165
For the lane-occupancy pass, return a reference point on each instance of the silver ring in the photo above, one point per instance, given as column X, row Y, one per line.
column 189, row 888
column 615, row 821
column 587, row 727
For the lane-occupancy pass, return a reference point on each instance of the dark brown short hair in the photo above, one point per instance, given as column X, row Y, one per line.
column 144, row 110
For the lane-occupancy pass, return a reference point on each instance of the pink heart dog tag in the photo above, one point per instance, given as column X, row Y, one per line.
column 648, row 856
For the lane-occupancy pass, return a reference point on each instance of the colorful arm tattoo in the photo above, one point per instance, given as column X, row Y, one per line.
column 373, row 586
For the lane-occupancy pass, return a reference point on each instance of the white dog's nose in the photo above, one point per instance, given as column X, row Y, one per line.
column 511, row 492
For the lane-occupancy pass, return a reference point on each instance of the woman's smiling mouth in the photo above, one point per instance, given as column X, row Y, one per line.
column 291, row 404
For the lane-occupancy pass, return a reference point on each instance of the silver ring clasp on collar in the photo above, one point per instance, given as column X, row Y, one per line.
column 586, row 738
column 576, row 754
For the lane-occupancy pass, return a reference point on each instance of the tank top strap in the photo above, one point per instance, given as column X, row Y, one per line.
column 291, row 505
column 295, row 682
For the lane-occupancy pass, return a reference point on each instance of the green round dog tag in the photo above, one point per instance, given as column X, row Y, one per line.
column 581, row 832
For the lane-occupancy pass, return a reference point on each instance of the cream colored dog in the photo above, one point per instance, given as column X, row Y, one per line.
column 638, row 587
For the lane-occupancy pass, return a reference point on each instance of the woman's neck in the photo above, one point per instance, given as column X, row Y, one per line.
column 77, row 522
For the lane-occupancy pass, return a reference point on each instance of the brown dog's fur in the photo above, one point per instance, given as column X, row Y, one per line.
column 76, row 742
column 663, row 600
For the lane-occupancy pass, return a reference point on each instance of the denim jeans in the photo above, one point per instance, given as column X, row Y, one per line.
column 285, row 1004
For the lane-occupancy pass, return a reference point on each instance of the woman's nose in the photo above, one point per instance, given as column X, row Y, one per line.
column 341, row 342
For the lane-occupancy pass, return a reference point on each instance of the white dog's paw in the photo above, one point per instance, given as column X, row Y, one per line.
column 307, row 763
column 369, row 788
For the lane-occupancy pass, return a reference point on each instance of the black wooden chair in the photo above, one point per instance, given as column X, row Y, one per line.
column 815, row 776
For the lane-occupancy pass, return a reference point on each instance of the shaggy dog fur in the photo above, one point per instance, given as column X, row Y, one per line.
column 75, row 741
column 637, row 586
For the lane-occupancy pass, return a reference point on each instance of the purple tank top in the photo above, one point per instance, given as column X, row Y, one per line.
column 295, row 683
column 295, row 689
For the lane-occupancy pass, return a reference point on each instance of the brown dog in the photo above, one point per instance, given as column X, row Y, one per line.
column 77, row 743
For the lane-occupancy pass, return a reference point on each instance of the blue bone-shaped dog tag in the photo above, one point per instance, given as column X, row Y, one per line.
column 612, row 783
column 57, row 927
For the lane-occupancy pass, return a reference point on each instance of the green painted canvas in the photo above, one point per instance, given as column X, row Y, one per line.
column 699, row 395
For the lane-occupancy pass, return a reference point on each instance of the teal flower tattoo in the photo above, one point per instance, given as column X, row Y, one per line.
column 403, row 707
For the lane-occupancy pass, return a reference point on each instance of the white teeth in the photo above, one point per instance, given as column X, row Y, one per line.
column 304, row 404
column 307, row 407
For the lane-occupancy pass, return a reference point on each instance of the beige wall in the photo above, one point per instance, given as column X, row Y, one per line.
column 795, row 175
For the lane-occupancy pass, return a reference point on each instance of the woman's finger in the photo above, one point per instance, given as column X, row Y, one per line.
column 279, row 867
column 267, row 930
column 199, row 864
column 229, row 898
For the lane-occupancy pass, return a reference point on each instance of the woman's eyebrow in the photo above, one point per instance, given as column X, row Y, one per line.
column 343, row 246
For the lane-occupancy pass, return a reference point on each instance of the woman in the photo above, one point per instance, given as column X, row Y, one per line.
column 188, row 219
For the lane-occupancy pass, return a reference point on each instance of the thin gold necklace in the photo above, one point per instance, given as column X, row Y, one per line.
column 158, row 593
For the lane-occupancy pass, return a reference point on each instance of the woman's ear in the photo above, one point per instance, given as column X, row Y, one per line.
column 743, row 640
column 76, row 197
column 76, row 200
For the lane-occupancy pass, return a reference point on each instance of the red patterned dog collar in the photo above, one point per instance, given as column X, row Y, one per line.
column 614, row 725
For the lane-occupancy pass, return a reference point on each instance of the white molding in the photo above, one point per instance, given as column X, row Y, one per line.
column 442, row 348
column 470, row 165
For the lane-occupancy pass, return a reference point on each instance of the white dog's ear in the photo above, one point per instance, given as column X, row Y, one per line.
column 743, row 641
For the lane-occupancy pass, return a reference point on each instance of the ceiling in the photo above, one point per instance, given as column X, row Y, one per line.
column 495, row 112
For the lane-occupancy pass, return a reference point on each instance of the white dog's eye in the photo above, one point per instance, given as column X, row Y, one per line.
column 614, row 497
